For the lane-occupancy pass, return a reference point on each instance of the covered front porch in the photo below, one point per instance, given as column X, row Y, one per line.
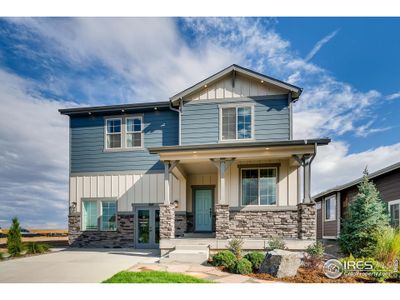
column 252, row 191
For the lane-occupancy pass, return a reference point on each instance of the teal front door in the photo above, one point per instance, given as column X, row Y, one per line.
column 203, row 209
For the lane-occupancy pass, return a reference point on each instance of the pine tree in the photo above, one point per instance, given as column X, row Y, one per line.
column 14, row 242
column 367, row 215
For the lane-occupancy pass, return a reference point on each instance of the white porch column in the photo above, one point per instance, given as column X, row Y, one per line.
column 166, row 183
column 221, row 199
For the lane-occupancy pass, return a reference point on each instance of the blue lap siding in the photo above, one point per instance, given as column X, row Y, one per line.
column 161, row 128
column 200, row 119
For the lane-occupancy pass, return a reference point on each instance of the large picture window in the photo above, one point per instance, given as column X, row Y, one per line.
column 134, row 132
column 113, row 133
column 237, row 123
column 330, row 208
column 101, row 213
column 258, row 186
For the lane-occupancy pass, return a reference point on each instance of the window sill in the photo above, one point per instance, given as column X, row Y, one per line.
column 237, row 141
column 124, row 149
column 329, row 220
column 96, row 230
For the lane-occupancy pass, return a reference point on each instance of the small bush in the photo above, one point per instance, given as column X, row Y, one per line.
column 34, row 248
column 1, row 255
column 14, row 242
column 242, row 266
column 277, row 243
column 387, row 248
column 314, row 255
column 256, row 258
column 236, row 246
column 224, row 258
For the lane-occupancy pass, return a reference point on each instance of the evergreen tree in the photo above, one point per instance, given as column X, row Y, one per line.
column 14, row 242
column 366, row 217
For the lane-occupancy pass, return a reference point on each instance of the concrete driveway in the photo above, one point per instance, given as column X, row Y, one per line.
column 74, row 265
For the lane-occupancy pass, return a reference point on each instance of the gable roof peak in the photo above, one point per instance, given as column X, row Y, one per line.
column 294, row 90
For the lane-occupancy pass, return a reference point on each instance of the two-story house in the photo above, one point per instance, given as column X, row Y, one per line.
column 216, row 161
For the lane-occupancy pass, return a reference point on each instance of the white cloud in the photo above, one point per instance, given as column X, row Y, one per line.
column 320, row 44
column 393, row 96
column 34, row 156
column 334, row 165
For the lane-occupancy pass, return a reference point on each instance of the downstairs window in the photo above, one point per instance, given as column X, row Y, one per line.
column 258, row 186
column 99, row 214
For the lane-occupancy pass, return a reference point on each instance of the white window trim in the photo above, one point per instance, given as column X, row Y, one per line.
column 394, row 202
column 123, row 133
column 328, row 198
column 99, row 212
column 258, row 200
column 141, row 131
column 106, row 133
column 251, row 105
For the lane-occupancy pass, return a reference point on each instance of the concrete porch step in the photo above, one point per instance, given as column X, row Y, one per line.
column 198, row 235
column 188, row 254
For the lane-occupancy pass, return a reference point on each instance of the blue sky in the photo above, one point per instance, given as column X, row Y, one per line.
column 348, row 67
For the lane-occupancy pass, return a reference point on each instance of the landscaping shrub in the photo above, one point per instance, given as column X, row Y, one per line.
column 236, row 246
column 224, row 258
column 256, row 258
column 314, row 255
column 366, row 217
column 14, row 242
column 242, row 266
column 277, row 243
column 34, row 248
column 387, row 248
column 1, row 255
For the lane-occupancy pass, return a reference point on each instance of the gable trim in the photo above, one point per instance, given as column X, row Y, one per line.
column 294, row 90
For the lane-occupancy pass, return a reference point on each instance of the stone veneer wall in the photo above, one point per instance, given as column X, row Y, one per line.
column 299, row 223
column 123, row 237
column 180, row 223
column 167, row 221
column 307, row 221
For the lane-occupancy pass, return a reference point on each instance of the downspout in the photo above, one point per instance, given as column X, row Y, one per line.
column 179, row 111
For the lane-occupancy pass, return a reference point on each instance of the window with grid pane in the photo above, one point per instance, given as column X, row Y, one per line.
column 258, row 186
column 134, row 132
column 90, row 215
column 108, row 215
column 113, row 133
column 236, row 123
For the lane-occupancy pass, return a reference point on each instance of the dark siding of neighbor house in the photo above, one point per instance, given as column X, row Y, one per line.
column 388, row 185
column 319, row 223
column 200, row 119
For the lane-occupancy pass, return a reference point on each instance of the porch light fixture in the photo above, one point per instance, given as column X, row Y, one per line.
column 122, row 110
column 89, row 113
column 194, row 152
column 205, row 85
column 266, row 148
column 176, row 203
column 262, row 81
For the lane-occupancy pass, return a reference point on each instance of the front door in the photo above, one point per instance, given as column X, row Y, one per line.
column 147, row 231
column 203, row 209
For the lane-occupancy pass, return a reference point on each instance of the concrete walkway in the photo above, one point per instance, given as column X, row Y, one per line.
column 198, row 271
column 74, row 265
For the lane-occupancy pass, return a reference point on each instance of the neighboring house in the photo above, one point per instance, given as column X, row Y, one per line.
column 216, row 161
column 333, row 203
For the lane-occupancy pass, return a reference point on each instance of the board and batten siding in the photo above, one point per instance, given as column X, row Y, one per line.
column 200, row 119
column 127, row 189
column 160, row 128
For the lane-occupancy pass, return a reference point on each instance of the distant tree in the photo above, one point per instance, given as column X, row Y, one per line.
column 366, row 217
column 14, row 242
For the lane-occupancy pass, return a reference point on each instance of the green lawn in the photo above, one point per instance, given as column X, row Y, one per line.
column 153, row 277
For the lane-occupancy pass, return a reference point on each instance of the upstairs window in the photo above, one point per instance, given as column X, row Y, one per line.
column 113, row 133
column 134, row 132
column 330, row 208
column 258, row 186
column 236, row 123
